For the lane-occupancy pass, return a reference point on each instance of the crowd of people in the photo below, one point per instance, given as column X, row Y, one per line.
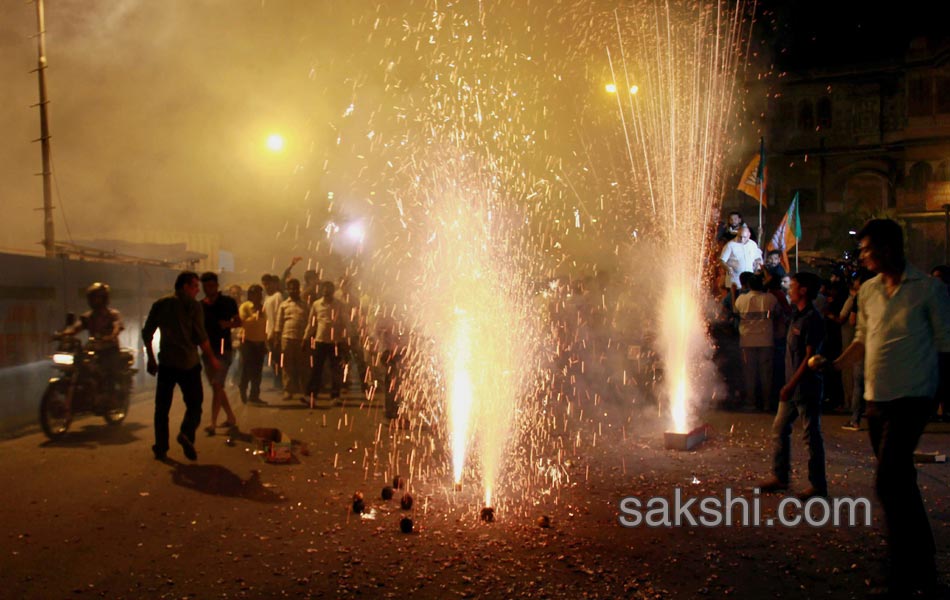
column 872, row 341
column 297, row 332
column 756, row 309
column 877, row 339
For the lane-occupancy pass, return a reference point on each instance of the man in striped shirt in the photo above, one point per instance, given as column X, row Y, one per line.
column 757, row 311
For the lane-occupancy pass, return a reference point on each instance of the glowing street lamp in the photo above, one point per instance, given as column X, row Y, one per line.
column 611, row 88
column 275, row 142
column 356, row 232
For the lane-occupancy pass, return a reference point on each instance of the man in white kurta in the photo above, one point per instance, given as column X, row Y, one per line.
column 740, row 255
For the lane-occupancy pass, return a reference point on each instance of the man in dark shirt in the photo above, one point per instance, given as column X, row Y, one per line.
column 729, row 230
column 802, row 392
column 773, row 265
column 220, row 314
column 181, row 321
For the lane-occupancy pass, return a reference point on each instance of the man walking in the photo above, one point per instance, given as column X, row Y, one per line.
column 802, row 393
column 180, row 319
column 221, row 315
column 903, row 322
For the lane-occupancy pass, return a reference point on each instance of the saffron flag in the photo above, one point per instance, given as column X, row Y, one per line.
column 753, row 178
column 787, row 233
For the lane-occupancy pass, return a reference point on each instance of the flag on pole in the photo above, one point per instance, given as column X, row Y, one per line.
column 753, row 178
column 787, row 233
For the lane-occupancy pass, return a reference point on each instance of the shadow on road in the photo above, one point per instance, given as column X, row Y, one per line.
column 217, row 480
column 92, row 436
column 291, row 405
column 324, row 403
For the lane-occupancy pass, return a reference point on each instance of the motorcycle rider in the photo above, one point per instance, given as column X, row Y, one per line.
column 103, row 322
column 104, row 325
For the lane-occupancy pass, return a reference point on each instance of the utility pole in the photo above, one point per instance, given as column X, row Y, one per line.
column 49, row 238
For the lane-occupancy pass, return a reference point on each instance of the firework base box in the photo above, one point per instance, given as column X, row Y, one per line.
column 929, row 457
column 685, row 441
column 274, row 445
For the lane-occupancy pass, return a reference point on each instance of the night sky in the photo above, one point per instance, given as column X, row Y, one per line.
column 808, row 34
column 159, row 109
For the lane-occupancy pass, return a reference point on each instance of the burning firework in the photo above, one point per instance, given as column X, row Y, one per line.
column 486, row 187
column 684, row 57
column 460, row 396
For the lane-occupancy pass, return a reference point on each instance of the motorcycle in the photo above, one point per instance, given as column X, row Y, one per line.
column 86, row 385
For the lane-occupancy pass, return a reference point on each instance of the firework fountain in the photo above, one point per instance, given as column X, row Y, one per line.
column 474, row 311
column 458, row 183
column 681, row 61
column 475, row 148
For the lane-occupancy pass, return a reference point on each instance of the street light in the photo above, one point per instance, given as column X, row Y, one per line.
column 275, row 142
column 611, row 88
column 356, row 232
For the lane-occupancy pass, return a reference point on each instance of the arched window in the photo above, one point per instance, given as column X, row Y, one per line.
column 806, row 116
column 942, row 173
column 920, row 175
column 823, row 108
column 867, row 191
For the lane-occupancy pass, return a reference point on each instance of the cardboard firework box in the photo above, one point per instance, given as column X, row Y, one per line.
column 274, row 445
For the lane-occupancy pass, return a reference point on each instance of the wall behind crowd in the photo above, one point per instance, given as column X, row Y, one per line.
column 35, row 296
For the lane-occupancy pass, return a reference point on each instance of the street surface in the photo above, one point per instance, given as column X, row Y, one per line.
column 94, row 515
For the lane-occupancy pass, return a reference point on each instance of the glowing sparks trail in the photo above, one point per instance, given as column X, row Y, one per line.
column 484, row 188
column 459, row 183
column 460, row 395
column 683, row 342
column 685, row 58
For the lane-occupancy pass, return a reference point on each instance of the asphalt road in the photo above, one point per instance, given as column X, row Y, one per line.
column 94, row 515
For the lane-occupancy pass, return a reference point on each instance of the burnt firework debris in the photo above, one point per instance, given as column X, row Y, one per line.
column 358, row 504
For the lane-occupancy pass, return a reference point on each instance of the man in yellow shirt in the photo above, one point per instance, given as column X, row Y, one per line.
column 254, row 344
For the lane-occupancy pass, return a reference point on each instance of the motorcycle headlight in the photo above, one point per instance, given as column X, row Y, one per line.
column 63, row 358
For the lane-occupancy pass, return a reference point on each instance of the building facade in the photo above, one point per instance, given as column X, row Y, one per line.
column 866, row 140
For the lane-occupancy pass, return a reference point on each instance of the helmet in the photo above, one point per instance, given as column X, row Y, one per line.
column 97, row 294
